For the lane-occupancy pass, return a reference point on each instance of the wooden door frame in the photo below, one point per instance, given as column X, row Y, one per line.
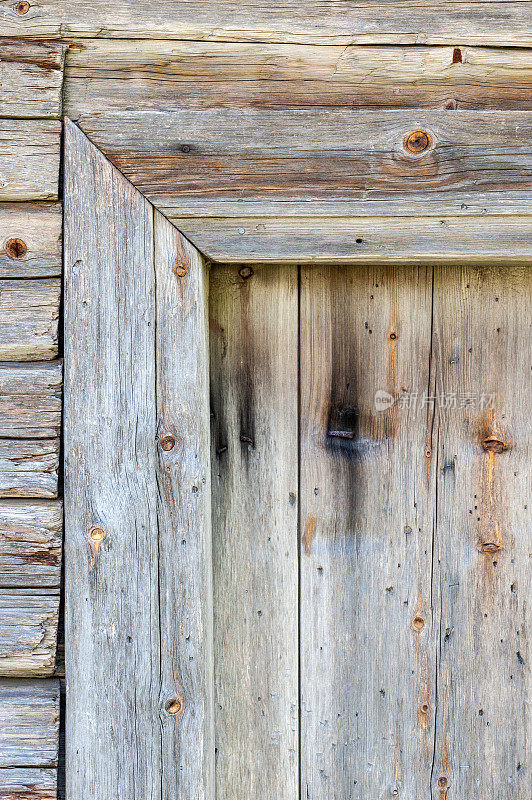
column 136, row 436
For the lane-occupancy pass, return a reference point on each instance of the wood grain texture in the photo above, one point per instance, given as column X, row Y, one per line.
column 28, row 784
column 29, row 313
column 29, row 468
column 482, row 578
column 339, row 22
column 366, row 521
column 29, row 159
column 30, row 400
column 29, row 722
column 30, row 237
column 140, row 648
column 260, row 156
column 28, row 631
column 112, row 612
column 361, row 239
column 31, row 78
column 254, row 377
column 30, row 543
column 115, row 75
column 184, row 516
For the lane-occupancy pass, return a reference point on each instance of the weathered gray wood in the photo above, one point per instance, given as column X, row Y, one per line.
column 110, row 496
column 259, row 156
column 31, row 240
column 254, row 376
column 367, row 509
column 184, row 517
column 30, row 400
column 30, row 543
column 362, row 239
column 137, row 523
column 29, row 159
column 29, row 722
column 339, row 22
column 29, row 467
column 111, row 75
column 31, row 77
column 29, row 313
column 28, row 631
column 482, row 578
column 29, row 784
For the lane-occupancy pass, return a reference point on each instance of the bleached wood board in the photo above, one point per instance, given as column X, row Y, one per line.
column 29, row 722
column 382, row 239
column 29, row 159
column 29, row 313
column 254, row 377
column 30, row 784
column 29, row 467
column 30, row 400
column 366, row 521
column 31, row 78
column 28, row 631
column 30, row 240
column 339, row 22
column 219, row 156
column 483, row 538
column 127, row 653
column 112, row 74
column 30, row 543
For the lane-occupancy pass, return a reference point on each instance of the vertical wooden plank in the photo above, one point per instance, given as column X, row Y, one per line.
column 185, row 540
column 113, row 737
column 367, row 665
column 254, row 346
column 482, row 326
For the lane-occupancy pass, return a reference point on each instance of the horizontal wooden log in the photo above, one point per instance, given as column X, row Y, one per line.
column 467, row 239
column 214, row 157
column 29, row 313
column 31, row 77
column 30, row 240
column 115, row 75
column 28, row 784
column 30, row 400
column 29, row 467
column 28, row 631
column 29, row 159
column 336, row 22
column 30, row 543
column 29, row 722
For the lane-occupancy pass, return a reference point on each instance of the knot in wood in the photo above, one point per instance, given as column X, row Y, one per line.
column 416, row 142
column 494, row 445
column 490, row 547
column 442, row 782
column 245, row 273
column 167, row 443
column 22, row 8
column 418, row 623
column 16, row 248
column 175, row 705
column 180, row 269
column 97, row 534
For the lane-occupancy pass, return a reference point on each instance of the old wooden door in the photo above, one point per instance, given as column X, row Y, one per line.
column 328, row 601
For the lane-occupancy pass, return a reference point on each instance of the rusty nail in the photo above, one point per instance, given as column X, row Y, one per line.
column 167, row 442
column 16, row 248
column 175, row 705
column 428, row 453
column 185, row 148
column 97, row 534
column 245, row 273
column 416, row 141
column 418, row 623
column 494, row 445
column 22, row 8
column 247, row 439
column 180, row 269
column 393, row 336
column 425, row 708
